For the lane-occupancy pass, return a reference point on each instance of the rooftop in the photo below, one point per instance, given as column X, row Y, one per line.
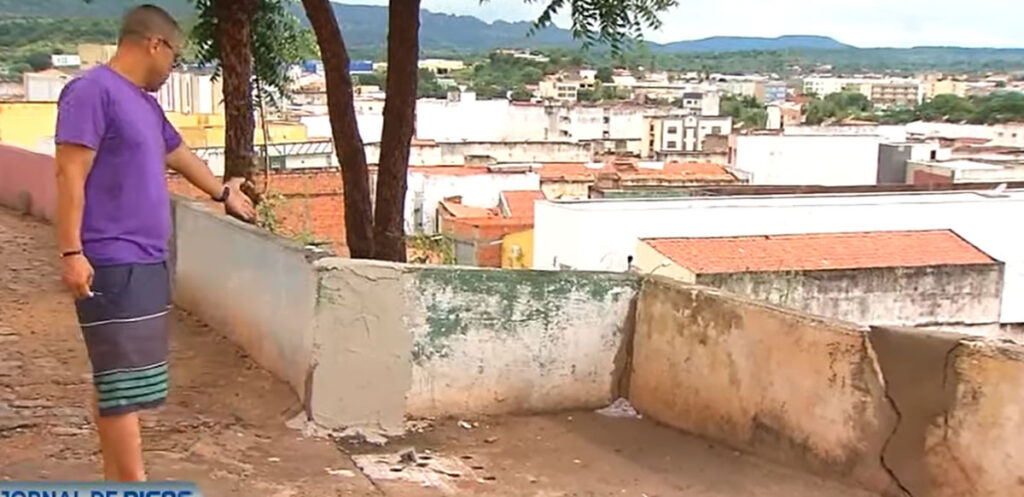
column 520, row 203
column 816, row 252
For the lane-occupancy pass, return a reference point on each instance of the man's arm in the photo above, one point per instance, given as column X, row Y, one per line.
column 184, row 162
column 73, row 165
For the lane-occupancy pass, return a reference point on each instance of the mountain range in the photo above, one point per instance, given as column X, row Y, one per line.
column 365, row 27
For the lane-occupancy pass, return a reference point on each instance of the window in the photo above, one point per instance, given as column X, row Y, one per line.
column 673, row 130
column 672, row 144
column 716, row 130
column 607, row 119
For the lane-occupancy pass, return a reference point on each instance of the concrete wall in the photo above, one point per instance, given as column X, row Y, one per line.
column 601, row 234
column 808, row 159
column 794, row 389
column 28, row 182
column 366, row 343
column 895, row 411
column 956, row 298
column 258, row 289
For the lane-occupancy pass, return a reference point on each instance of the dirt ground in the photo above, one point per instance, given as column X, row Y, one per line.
column 224, row 425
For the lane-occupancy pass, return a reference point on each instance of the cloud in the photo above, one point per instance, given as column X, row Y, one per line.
column 866, row 23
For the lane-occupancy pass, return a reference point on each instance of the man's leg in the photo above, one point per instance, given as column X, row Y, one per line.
column 121, row 442
column 110, row 472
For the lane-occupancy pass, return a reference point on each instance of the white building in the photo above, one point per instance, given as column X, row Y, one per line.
column 601, row 235
column 1003, row 135
column 558, row 90
column 427, row 186
column 828, row 160
column 685, row 133
column 44, row 86
column 191, row 93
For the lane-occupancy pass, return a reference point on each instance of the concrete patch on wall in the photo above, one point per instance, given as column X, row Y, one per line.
column 922, row 390
column 789, row 387
column 361, row 359
column 488, row 341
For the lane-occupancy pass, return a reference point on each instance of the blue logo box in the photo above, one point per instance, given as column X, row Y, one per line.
column 98, row 489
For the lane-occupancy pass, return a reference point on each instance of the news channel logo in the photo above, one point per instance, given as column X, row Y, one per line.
column 98, row 489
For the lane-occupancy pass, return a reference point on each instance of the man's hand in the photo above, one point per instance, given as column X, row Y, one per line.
column 77, row 275
column 238, row 204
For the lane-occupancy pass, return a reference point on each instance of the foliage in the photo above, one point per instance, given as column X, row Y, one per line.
column 614, row 23
column 604, row 74
column 39, row 61
column 278, row 40
column 745, row 111
column 372, row 79
column 999, row 107
column 267, row 216
column 837, row 106
column 500, row 73
column 428, row 87
column 431, row 249
column 520, row 94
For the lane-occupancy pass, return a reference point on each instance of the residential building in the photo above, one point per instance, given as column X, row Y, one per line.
column 945, row 87
column 478, row 234
column 893, row 158
column 831, row 160
column 192, row 92
column 881, row 278
column 682, row 133
column 45, row 86
column 896, row 93
column 92, row 54
column 602, row 235
column 442, row 67
column 477, row 187
column 934, row 172
column 753, row 88
column 28, row 125
column 783, row 115
column 65, row 60
column 775, row 91
column 577, row 180
column 1003, row 135
column 559, row 90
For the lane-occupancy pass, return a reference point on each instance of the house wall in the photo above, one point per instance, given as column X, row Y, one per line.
column 27, row 182
column 808, row 159
column 426, row 190
column 600, row 235
column 955, row 298
column 29, row 125
column 517, row 250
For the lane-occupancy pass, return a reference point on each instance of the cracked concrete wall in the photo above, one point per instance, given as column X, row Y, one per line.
column 789, row 387
column 393, row 340
column 255, row 287
column 977, row 448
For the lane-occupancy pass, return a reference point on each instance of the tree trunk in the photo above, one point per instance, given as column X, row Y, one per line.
column 399, row 120
column 234, row 34
column 347, row 142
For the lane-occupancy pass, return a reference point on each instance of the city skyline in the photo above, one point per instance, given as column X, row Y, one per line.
column 868, row 23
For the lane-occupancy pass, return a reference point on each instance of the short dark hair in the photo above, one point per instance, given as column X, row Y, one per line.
column 148, row 20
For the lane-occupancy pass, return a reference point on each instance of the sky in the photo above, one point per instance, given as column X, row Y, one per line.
column 864, row 23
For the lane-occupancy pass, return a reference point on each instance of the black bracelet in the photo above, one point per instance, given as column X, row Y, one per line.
column 70, row 253
column 223, row 195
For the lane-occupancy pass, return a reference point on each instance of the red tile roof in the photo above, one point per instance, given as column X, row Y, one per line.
column 812, row 252
column 449, row 170
column 456, row 209
column 520, row 203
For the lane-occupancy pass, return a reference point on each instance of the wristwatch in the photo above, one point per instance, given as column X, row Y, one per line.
column 223, row 195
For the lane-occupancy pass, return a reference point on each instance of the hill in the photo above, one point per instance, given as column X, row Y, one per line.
column 742, row 43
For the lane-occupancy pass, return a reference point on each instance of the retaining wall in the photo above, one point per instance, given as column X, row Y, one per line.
column 28, row 182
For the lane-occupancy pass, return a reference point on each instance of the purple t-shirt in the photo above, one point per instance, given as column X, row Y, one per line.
column 127, row 217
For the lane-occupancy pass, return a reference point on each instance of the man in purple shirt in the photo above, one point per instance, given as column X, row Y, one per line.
column 114, row 225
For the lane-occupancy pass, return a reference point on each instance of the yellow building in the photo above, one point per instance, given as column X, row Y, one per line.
column 93, row 54
column 29, row 125
column 517, row 250
column 945, row 87
column 207, row 130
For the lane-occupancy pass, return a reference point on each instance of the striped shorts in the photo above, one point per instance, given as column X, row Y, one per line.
column 124, row 325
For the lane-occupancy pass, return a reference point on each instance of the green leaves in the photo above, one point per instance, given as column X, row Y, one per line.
column 278, row 41
column 616, row 23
